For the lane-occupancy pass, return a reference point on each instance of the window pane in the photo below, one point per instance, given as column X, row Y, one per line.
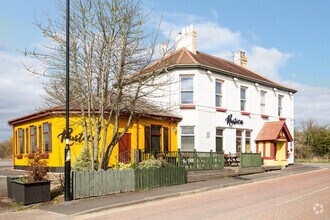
column 186, row 97
column 242, row 105
column 147, row 139
column 218, row 87
column 187, row 143
column 21, row 140
column 186, row 83
column 155, row 143
column 155, row 130
column 46, row 128
column 219, row 142
column 165, row 139
column 218, row 101
column 243, row 93
column 187, row 130
column 219, row 132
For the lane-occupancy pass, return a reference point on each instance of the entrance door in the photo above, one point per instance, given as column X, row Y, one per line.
column 125, row 148
column 280, row 151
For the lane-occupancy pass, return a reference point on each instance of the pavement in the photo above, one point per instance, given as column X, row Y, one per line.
column 74, row 209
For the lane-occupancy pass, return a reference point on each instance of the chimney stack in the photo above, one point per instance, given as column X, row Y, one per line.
column 187, row 39
column 240, row 59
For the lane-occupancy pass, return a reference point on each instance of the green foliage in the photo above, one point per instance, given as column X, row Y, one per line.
column 83, row 161
column 312, row 140
column 38, row 168
column 122, row 166
column 6, row 149
column 159, row 162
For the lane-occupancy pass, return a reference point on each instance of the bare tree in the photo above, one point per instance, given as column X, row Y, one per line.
column 108, row 48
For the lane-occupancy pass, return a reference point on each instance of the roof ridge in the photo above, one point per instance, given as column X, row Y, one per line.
column 191, row 56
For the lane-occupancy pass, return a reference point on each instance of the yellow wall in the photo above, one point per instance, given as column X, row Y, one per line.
column 58, row 141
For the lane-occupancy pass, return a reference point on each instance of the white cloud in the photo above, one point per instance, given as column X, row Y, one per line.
column 311, row 102
column 267, row 61
column 20, row 91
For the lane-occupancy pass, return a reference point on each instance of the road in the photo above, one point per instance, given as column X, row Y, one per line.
column 300, row 196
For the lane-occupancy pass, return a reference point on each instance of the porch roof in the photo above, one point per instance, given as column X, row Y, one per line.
column 271, row 131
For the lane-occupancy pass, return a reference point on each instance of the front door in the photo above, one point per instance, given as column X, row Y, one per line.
column 280, row 151
column 125, row 148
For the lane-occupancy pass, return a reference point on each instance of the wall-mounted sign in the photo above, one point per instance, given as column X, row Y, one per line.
column 78, row 138
column 233, row 121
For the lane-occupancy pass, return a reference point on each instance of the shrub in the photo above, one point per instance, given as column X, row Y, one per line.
column 83, row 161
column 38, row 168
column 159, row 162
column 122, row 166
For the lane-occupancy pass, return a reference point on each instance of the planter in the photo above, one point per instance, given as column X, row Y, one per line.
column 28, row 193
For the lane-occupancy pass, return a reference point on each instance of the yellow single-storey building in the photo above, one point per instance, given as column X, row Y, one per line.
column 272, row 142
column 46, row 130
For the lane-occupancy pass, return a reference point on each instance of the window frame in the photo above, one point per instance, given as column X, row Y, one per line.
column 248, row 134
column 20, row 149
column 239, row 139
column 263, row 102
column 49, row 134
column 33, row 138
column 166, row 139
column 188, row 135
column 219, row 136
column 218, row 95
column 243, row 100
column 185, row 77
column 280, row 105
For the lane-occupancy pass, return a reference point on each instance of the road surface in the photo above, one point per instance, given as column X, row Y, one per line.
column 301, row 196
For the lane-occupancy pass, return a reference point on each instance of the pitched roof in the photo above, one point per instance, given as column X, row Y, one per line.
column 184, row 58
column 147, row 110
column 271, row 131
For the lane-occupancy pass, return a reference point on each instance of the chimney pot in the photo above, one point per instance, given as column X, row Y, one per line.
column 187, row 39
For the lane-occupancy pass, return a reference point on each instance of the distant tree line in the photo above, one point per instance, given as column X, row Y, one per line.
column 312, row 140
column 6, row 149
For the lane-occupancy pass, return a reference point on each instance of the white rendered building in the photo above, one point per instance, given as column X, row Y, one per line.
column 224, row 105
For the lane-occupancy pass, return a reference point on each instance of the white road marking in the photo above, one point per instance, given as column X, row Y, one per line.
column 300, row 197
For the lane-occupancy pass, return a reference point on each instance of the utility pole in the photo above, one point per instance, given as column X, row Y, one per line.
column 67, row 154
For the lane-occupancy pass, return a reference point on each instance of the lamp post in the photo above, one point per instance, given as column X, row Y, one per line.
column 67, row 154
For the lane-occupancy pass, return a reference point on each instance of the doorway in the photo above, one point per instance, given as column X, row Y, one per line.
column 124, row 154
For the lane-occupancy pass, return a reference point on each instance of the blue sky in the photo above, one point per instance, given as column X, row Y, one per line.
column 287, row 41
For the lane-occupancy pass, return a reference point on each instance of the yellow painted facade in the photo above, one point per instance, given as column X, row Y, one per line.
column 33, row 132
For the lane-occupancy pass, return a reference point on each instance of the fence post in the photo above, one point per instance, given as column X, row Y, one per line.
column 211, row 160
column 179, row 158
column 195, row 159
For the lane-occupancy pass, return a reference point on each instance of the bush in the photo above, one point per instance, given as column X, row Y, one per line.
column 159, row 162
column 83, row 161
column 122, row 166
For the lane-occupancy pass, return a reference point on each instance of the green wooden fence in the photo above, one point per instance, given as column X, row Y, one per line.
column 193, row 160
column 157, row 177
column 250, row 160
column 97, row 183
